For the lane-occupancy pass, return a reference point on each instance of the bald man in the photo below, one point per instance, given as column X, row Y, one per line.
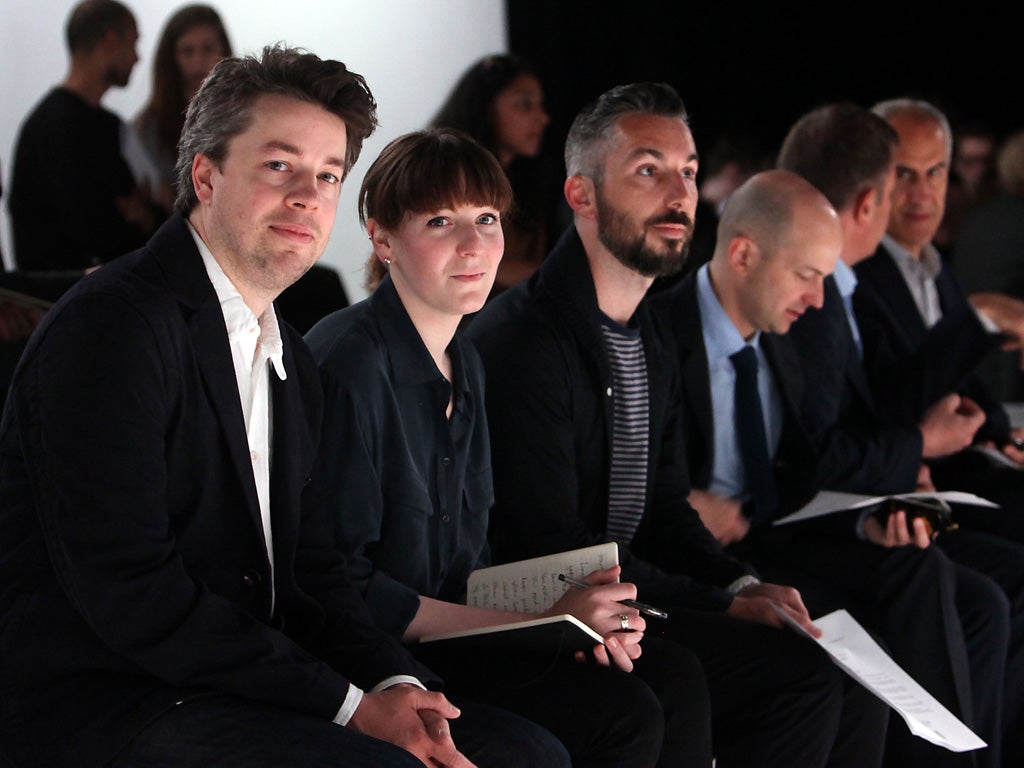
column 776, row 244
column 778, row 240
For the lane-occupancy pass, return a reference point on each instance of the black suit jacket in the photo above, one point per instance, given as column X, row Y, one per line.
column 678, row 314
column 550, row 412
column 133, row 569
column 930, row 362
column 858, row 453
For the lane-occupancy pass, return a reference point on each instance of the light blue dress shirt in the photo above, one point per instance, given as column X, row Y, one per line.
column 846, row 282
column 721, row 339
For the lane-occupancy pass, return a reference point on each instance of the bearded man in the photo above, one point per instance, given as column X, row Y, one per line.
column 583, row 405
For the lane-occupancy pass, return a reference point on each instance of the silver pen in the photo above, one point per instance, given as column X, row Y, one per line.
column 650, row 610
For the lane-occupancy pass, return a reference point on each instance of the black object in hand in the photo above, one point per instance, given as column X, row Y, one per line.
column 935, row 512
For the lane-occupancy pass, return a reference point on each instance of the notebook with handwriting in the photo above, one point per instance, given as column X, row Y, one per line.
column 532, row 585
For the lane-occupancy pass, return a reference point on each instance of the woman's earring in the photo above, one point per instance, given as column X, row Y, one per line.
column 387, row 262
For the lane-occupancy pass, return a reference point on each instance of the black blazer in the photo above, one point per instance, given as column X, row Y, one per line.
column 549, row 407
column 795, row 462
column 936, row 360
column 133, row 569
column 858, row 453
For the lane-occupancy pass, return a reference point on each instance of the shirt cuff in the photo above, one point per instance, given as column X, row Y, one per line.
column 355, row 695
column 987, row 324
column 348, row 707
column 395, row 680
column 742, row 583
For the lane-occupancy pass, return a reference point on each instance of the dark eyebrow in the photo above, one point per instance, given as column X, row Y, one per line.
column 283, row 146
column 291, row 149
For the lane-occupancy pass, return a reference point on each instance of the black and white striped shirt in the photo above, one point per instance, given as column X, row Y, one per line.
column 630, row 429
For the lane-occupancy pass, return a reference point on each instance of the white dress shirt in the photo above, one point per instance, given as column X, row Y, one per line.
column 256, row 348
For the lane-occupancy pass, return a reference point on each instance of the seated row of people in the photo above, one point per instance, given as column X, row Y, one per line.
column 819, row 434
column 240, row 551
column 569, row 459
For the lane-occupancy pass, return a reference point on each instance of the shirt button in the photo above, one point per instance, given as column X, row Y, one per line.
column 446, row 518
column 608, row 391
column 446, row 461
column 254, row 456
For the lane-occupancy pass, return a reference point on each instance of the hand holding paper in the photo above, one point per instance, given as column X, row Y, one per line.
column 854, row 650
column 773, row 604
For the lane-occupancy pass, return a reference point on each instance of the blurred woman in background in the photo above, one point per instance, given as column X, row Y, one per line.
column 193, row 40
column 499, row 101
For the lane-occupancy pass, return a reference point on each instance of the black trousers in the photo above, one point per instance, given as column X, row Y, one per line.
column 970, row 471
column 991, row 541
column 942, row 622
column 226, row 732
column 776, row 698
column 656, row 716
column 1001, row 561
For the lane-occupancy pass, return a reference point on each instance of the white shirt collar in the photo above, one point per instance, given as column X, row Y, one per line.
column 237, row 315
column 928, row 266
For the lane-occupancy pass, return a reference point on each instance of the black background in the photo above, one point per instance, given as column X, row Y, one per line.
column 753, row 69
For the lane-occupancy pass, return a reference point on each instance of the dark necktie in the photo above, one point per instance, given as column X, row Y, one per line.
column 753, row 442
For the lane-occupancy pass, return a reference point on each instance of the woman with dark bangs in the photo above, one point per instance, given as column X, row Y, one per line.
column 407, row 460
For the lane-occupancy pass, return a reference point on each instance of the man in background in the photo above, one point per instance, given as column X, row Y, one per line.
column 861, row 450
column 73, row 200
column 922, row 337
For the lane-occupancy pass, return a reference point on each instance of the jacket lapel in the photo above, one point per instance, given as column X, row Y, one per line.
column 853, row 368
column 887, row 281
column 177, row 254
column 566, row 279
column 796, row 458
column 693, row 366
column 293, row 442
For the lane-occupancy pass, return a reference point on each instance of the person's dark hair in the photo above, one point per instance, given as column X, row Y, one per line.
column 90, row 20
column 740, row 149
column 469, row 106
column 426, row 171
column 841, row 148
column 167, row 102
column 221, row 109
column 593, row 127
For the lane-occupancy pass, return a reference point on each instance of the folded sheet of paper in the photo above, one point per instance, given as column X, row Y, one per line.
column 856, row 652
column 827, row 502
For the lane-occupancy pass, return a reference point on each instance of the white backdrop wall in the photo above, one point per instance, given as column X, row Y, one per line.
column 410, row 51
